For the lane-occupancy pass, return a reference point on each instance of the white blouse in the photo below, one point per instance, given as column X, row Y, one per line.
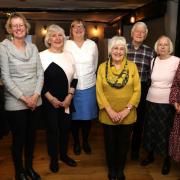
column 86, row 60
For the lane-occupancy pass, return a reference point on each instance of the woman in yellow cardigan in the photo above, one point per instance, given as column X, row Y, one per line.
column 118, row 94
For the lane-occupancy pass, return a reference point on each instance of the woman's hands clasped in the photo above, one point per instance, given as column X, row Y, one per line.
column 57, row 103
column 117, row 117
column 30, row 101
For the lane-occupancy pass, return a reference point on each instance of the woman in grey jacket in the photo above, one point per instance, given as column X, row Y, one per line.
column 22, row 76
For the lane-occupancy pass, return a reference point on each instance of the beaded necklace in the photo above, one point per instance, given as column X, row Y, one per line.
column 117, row 80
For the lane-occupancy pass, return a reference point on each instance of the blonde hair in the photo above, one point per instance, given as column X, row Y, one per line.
column 75, row 22
column 171, row 48
column 142, row 24
column 117, row 40
column 14, row 15
column 51, row 29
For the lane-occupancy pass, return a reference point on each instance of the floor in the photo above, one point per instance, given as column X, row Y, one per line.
column 90, row 167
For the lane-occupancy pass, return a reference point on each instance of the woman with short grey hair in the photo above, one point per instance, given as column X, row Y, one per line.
column 59, row 88
column 118, row 94
column 50, row 29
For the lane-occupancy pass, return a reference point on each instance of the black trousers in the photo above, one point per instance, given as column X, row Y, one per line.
column 117, row 139
column 85, row 126
column 58, row 126
column 23, row 125
column 138, row 126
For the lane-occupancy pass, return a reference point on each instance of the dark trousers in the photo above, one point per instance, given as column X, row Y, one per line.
column 138, row 126
column 117, row 139
column 58, row 125
column 85, row 126
column 23, row 128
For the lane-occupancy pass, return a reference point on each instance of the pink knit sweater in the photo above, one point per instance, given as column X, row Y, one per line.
column 162, row 77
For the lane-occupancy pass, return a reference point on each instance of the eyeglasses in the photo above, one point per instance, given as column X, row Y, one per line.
column 78, row 27
column 16, row 26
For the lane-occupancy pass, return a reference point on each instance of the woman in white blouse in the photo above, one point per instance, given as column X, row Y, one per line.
column 159, row 112
column 85, row 53
column 59, row 86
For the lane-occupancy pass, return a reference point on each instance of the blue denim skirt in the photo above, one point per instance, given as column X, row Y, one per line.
column 85, row 104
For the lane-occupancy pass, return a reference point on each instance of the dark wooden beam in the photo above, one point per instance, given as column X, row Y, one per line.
column 61, row 9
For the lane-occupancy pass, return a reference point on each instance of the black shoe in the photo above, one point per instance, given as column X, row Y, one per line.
column 166, row 167
column 86, row 148
column 54, row 165
column 121, row 176
column 77, row 149
column 110, row 177
column 148, row 160
column 69, row 161
column 32, row 174
column 21, row 176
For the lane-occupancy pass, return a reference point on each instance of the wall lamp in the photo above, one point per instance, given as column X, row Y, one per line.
column 44, row 30
column 95, row 31
column 133, row 18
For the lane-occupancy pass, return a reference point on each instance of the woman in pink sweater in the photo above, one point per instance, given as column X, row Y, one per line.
column 159, row 113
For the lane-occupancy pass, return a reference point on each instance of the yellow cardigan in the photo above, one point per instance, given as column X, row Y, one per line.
column 118, row 98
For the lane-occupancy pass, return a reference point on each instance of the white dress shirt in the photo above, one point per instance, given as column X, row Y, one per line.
column 86, row 60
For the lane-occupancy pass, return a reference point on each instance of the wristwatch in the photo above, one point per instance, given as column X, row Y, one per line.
column 129, row 108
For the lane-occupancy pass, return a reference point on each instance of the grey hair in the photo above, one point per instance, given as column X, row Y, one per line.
column 142, row 24
column 51, row 29
column 171, row 47
column 117, row 40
